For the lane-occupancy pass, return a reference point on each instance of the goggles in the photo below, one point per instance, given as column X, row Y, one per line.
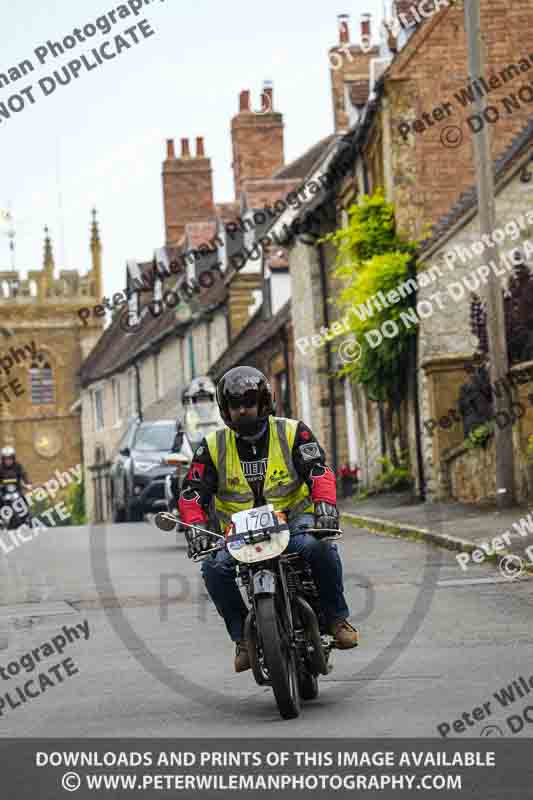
column 247, row 400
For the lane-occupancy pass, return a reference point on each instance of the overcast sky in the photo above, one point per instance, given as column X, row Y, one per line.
column 100, row 141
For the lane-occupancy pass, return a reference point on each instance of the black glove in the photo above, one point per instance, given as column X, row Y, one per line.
column 197, row 543
column 326, row 516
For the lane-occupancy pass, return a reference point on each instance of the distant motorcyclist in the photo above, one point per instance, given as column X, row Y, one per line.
column 10, row 469
column 13, row 473
column 200, row 410
column 260, row 459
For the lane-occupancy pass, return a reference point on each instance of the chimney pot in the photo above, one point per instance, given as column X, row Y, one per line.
column 185, row 152
column 170, row 149
column 200, row 150
column 344, row 28
column 268, row 96
column 244, row 100
column 365, row 27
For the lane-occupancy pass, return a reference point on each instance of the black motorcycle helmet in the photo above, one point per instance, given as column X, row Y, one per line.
column 234, row 385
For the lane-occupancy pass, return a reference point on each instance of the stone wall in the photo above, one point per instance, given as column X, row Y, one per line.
column 446, row 344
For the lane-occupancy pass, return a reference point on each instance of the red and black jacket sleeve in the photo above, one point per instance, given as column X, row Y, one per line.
column 310, row 463
column 198, row 488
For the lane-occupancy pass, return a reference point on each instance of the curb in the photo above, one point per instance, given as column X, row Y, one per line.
column 405, row 531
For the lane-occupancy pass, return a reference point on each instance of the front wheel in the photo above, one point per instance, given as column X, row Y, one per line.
column 279, row 658
column 308, row 685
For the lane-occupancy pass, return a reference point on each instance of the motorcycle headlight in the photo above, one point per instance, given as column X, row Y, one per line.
column 143, row 466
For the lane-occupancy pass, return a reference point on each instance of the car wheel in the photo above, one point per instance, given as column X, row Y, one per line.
column 118, row 514
column 134, row 512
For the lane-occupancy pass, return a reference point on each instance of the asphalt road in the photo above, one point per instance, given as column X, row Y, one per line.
column 434, row 642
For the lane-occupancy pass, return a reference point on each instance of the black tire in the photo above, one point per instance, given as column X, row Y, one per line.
column 308, row 685
column 279, row 659
column 134, row 513
column 117, row 514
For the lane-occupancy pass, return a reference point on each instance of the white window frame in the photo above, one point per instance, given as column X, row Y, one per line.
column 98, row 394
column 132, row 395
column 117, row 405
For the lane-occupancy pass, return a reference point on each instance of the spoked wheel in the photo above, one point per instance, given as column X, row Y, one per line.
column 279, row 658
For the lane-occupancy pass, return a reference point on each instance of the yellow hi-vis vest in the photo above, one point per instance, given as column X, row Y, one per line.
column 283, row 487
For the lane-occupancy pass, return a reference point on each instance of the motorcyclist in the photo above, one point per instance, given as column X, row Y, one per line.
column 260, row 459
column 11, row 470
column 200, row 411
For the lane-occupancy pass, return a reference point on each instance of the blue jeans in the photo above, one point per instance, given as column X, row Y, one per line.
column 323, row 558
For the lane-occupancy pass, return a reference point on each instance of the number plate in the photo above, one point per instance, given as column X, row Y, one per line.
column 252, row 521
column 255, row 519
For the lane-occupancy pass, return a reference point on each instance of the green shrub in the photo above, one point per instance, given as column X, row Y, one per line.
column 479, row 436
column 394, row 477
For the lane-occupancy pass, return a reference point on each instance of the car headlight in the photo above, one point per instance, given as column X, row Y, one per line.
column 143, row 466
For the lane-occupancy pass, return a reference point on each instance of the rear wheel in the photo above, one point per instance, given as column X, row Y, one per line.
column 279, row 658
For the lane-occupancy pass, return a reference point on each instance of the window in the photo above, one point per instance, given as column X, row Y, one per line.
column 155, row 437
column 98, row 396
column 41, row 383
column 132, row 393
column 117, row 405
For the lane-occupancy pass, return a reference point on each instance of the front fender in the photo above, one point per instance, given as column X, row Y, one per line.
column 264, row 583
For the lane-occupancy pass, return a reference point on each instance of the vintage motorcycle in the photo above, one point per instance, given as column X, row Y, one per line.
column 14, row 510
column 285, row 627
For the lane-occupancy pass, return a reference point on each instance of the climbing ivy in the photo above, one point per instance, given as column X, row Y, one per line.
column 373, row 258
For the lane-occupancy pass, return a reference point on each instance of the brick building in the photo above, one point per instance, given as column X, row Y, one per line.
column 374, row 92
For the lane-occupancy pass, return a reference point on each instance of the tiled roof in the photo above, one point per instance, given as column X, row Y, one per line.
column 254, row 335
column 468, row 199
column 199, row 233
column 301, row 166
column 261, row 193
column 117, row 348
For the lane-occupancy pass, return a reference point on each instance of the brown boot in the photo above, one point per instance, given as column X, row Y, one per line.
column 345, row 635
column 242, row 659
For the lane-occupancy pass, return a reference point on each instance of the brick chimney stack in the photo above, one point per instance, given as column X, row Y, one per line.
column 187, row 189
column 349, row 66
column 257, row 139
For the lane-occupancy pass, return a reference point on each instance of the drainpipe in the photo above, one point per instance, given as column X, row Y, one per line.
column 329, row 360
column 285, row 342
column 416, row 397
column 366, row 187
column 138, row 388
